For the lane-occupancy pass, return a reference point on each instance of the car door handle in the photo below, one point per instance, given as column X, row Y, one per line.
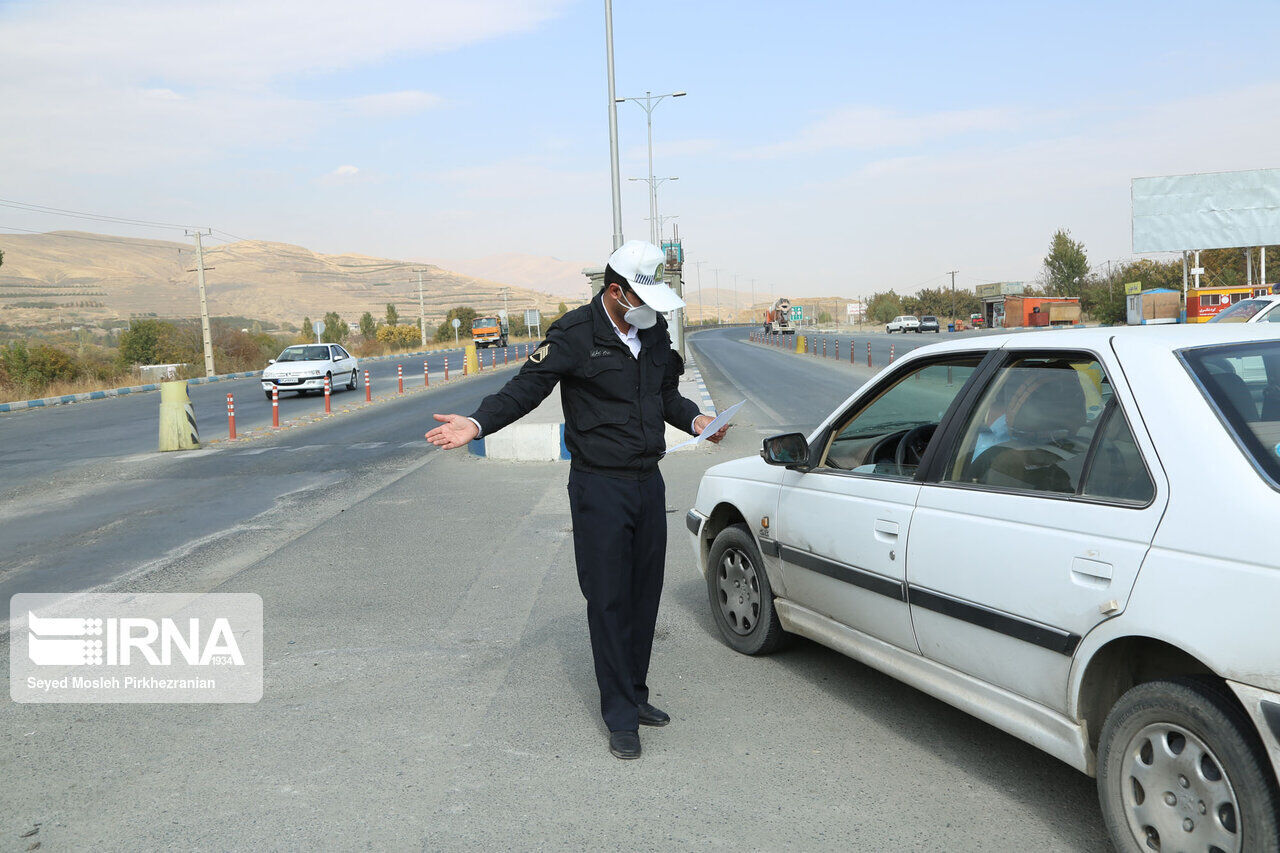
column 886, row 530
column 1090, row 572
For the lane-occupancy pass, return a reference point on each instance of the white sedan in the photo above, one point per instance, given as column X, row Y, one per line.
column 905, row 323
column 304, row 368
column 1259, row 309
column 1065, row 534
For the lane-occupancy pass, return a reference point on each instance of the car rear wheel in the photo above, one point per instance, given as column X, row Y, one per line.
column 740, row 596
column 1180, row 768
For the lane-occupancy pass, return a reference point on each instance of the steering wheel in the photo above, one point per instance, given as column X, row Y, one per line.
column 912, row 445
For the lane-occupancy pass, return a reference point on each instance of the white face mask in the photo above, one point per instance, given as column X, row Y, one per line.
column 640, row 316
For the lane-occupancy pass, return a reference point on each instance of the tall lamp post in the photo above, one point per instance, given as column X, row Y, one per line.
column 649, row 103
column 662, row 226
column 654, row 230
column 613, row 127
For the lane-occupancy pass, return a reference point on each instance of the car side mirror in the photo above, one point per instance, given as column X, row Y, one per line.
column 790, row 450
column 271, row 361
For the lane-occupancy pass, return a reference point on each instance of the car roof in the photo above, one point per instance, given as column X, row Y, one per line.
column 1155, row 339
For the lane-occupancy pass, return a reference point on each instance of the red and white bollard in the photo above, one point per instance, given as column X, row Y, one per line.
column 231, row 417
column 426, row 376
column 506, row 352
column 328, row 389
column 400, row 377
column 851, row 349
column 824, row 347
column 368, row 389
column 466, row 368
column 868, row 353
column 446, row 368
column 275, row 406
column 891, row 353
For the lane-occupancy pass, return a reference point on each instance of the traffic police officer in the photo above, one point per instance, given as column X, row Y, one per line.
column 618, row 378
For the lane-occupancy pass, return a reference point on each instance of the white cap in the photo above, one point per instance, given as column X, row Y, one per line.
column 642, row 264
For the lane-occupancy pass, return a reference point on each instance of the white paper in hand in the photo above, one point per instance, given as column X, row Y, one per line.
column 712, row 428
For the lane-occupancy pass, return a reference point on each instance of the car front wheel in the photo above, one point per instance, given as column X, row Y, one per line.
column 351, row 383
column 1180, row 768
column 739, row 592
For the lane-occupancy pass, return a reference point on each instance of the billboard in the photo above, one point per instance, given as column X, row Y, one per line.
column 1213, row 210
column 999, row 288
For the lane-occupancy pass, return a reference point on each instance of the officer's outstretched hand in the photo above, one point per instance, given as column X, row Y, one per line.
column 701, row 422
column 455, row 431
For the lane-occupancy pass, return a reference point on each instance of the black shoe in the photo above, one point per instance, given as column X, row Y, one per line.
column 651, row 716
column 624, row 744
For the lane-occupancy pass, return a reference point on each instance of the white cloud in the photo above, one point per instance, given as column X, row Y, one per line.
column 391, row 104
column 869, row 128
column 112, row 87
column 343, row 171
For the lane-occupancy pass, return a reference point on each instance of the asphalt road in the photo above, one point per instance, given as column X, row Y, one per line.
column 35, row 442
column 428, row 679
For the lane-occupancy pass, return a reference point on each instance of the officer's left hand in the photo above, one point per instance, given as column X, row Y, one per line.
column 703, row 421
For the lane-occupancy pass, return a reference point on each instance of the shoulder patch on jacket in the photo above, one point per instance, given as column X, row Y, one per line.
column 540, row 353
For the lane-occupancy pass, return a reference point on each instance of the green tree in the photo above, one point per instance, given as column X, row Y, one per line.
column 883, row 307
column 393, row 316
column 335, row 329
column 465, row 314
column 399, row 337
column 306, row 328
column 1066, row 267
column 368, row 328
column 140, row 343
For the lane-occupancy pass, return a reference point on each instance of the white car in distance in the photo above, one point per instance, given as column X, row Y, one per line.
column 1258, row 309
column 905, row 323
column 1120, row 610
column 304, row 367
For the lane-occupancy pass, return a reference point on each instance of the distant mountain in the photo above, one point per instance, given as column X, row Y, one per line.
column 74, row 277
column 535, row 272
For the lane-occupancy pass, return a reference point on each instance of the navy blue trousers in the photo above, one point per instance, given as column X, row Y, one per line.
column 620, row 545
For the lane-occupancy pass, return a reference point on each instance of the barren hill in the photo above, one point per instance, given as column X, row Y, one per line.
column 74, row 277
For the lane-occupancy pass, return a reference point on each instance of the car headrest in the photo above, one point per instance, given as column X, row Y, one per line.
column 1051, row 400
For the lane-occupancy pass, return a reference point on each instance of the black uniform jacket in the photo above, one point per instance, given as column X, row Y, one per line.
column 614, row 404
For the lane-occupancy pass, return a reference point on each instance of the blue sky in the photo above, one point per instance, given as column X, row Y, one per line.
column 823, row 147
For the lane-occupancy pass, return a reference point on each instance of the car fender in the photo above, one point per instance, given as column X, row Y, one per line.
column 1161, row 607
column 749, row 486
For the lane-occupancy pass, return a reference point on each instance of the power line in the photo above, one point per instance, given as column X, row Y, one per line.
column 125, row 242
column 80, row 214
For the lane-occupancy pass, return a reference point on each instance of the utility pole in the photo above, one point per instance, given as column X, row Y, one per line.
column 422, row 312
column 702, row 307
column 717, row 272
column 613, row 128
column 753, row 293
column 204, row 303
column 952, row 273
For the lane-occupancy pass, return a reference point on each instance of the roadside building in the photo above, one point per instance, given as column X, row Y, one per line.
column 1005, row 305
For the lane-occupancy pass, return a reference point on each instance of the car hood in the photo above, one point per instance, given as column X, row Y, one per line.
column 297, row 368
column 746, row 468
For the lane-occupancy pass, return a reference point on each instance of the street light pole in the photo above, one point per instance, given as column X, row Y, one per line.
column 613, row 128
column 649, row 103
column 701, row 305
column 717, row 272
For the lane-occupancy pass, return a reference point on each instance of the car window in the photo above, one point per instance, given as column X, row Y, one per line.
column 1243, row 383
column 887, row 436
column 1273, row 316
column 1241, row 312
column 341, row 353
column 1033, row 426
column 304, row 353
column 1116, row 471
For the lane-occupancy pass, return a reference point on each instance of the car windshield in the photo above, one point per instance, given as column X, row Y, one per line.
column 1241, row 312
column 1243, row 383
column 484, row 321
column 928, row 319
column 307, row 353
